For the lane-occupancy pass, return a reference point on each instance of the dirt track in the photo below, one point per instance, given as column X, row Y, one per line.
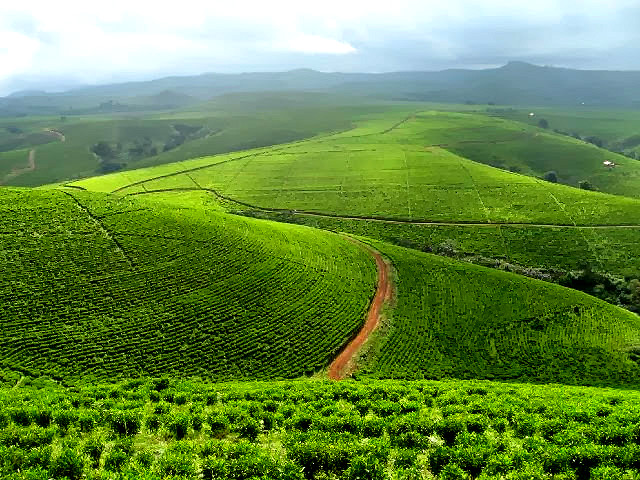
column 343, row 364
column 31, row 166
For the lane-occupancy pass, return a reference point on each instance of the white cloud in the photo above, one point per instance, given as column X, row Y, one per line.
column 93, row 41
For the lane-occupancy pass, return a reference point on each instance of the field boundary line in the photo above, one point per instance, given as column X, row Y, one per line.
column 102, row 228
column 343, row 364
column 475, row 187
column 400, row 221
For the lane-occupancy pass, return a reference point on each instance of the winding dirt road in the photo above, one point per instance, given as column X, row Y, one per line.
column 343, row 364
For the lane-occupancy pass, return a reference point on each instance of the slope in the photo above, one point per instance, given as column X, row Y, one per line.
column 95, row 286
column 379, row 180
column 463, row 321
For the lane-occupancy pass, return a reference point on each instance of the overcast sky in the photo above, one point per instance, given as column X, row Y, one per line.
column 54, row 44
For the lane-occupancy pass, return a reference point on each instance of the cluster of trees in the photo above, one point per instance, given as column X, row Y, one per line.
column 182, row 133
column 109, row 155
column 552, row 176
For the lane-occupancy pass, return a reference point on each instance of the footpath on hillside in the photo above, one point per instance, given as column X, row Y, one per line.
column 344, row 363
column 16, row 172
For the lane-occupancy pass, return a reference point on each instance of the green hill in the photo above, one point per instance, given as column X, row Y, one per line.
column 380, row 180
column 94, row 286
column 457, row 320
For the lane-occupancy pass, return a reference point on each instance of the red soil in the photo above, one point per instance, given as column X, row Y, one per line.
column 343, row 364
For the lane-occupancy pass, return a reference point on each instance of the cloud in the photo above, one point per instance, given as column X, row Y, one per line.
column 87, row 41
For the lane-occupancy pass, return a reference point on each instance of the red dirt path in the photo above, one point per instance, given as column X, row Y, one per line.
column 343, row 364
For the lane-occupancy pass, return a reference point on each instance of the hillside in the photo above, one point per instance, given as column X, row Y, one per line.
column 516, row 83
column 132, row 141
column 393, row 179
column 455, row 320
column 97, row 287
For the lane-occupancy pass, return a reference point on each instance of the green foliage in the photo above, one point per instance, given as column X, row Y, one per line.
column 68, row 464
column 458, row 320
column 91, row 270
column 453, row 429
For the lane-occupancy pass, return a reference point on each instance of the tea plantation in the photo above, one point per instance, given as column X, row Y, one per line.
column 151, row 329
column 97, row 287
column 375, row 430
column 458, row 320
column 390, row 168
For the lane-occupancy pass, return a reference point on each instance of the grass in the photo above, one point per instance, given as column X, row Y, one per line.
column 157, row 429
column 100, row 287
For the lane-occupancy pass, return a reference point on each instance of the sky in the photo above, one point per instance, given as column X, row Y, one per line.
column 55, row 45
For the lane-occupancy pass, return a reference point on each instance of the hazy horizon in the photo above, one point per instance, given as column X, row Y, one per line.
column 62, row 45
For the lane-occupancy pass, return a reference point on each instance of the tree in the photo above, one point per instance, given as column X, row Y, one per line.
column 543, row 123
column 586, row 185
column 551, row 177
column 103, row 150
column 595, row 141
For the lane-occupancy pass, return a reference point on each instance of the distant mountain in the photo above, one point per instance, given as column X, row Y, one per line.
column 516, row 83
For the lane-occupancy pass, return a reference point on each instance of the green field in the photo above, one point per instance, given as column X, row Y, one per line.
column 454, row 320
column 381, row 170
column 128, row 299
column 100, row 287
column 156, row 429
column 616, row 128
column 223, row 125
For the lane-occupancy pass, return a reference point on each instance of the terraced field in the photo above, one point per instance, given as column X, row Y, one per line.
column 98, row 287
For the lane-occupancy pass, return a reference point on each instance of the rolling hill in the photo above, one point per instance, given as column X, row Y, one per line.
column 97, row 287
column 455, row 320
column 390, row 179
column 516, row 83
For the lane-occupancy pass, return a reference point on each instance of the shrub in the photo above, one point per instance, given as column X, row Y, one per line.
column 249, row 428
column 153, row 423
column 364, row 466
column 21, row 417
column 115, row 460
column 551, row 176
column 174, row 463
column 64, row 419
column 42, row 417
column 178, row 425
column 219, row 425
column 196, row 422
column 93, row 448
column 586, row 185
column 451, row 471
column 68, row 464
column 161, row 384
column 449, row 428
column 144, row 459
column 180, row 399
column 87, row 422
column 125, row 423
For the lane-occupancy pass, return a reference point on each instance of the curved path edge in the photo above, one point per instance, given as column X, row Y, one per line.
column 343, row 364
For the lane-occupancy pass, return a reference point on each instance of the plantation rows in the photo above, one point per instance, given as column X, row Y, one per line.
column 559, row 248
column 458, row 320
column 185, row 293
column 377, row 430
column 399, row 182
